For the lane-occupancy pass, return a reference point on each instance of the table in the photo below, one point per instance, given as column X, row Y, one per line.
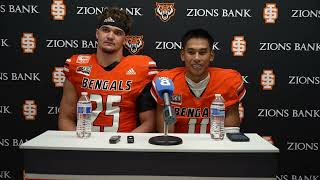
column 61, row 155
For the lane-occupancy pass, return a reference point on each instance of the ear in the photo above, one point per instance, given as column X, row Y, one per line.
column 182, row 55
column 212, row 55
column 125, row 40
column 97, row 33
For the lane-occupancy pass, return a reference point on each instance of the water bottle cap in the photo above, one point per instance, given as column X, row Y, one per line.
column 217, row 95
column 84, row 93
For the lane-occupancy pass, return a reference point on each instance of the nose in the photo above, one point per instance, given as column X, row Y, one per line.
column 197, row 56
column 110, row 35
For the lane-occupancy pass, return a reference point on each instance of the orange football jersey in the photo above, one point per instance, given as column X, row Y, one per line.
column 113, row 93
column 193, row 114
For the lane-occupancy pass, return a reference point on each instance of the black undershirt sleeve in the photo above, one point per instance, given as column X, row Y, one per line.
column 145, row 100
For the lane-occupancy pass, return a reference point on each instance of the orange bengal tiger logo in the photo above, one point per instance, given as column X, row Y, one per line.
column 165, row 11
column 134, row 43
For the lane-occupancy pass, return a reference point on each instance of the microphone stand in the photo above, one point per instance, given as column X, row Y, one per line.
column 166, row 140
column 166, row 129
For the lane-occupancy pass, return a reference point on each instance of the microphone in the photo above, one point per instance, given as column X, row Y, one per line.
column 164, row 87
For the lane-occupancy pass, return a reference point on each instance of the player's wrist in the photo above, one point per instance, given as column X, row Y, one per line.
column 232, row 129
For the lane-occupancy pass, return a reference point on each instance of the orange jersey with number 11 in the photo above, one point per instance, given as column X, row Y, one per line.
column 193, row 114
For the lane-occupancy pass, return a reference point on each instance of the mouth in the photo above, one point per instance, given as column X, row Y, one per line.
column 108, row 43
column 196, row 66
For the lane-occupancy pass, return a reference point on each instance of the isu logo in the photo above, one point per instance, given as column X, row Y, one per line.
column 267, row 79
column 58, row 10
column 29, row 109
column 28, row 43
column 270, row 13
column 58, row 77
column 241, row 112
column 165, row 11
column 238, row 46
column 134, row 43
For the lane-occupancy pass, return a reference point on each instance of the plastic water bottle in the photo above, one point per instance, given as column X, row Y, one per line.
column 84, row 109
column 217, row 117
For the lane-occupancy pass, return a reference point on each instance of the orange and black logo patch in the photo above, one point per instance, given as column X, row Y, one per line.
column 134, row 43
column 165, row 11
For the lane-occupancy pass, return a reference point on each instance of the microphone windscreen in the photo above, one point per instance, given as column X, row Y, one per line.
column 164, row 84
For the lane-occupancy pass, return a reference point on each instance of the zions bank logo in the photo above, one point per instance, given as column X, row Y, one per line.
column 8, row 142
column 305, row 13
column 173, row 45
column 290, row 46
column 303, row 146
column 5, row 109
column 58, row 77
column 53, row 110
column 270, row 13
column 285, row 112
column 165, row 11
column 4, row 174
column 91, row 10
column 219, row 13
column 238, row 46
column 58, row 10
column 297, row 177
column 268, row 79
column 241, row 112
column 134, row 44
column 4, row 43
column 304, row 80
column 15, row 8
column 29, row 110
column 28, row 43
column 71, row 43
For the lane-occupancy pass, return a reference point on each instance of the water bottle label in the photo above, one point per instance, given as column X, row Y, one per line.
column 217, row 106
column 217, row 112
column 84, row 109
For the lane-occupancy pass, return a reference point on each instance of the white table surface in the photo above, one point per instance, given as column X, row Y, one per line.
column 99, row 141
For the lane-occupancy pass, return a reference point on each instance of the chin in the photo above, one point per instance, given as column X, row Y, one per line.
column 105, row 50
column 197, row 73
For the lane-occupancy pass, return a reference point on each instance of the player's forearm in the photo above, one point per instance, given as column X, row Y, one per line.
column 147, row 126
column 160, row 127
column 67, row 124
column 232, row 116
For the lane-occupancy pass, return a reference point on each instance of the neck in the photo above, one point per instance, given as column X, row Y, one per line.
column 105, row 59
column 198, row 88
column 197, row 79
